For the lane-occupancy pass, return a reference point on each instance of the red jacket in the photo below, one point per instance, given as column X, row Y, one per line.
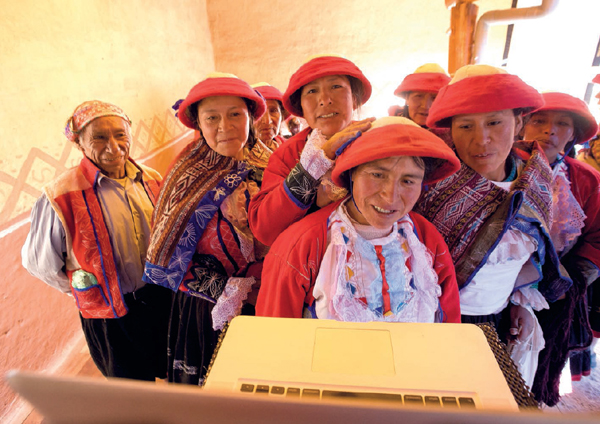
column 293, row 263
column 73, row 197
column 273, row 209
column 585, row 185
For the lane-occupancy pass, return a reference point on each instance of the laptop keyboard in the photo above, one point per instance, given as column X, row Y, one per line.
column 399, row 399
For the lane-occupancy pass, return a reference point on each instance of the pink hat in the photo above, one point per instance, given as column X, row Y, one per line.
column 397, row 136
column 429, row 78
column 596, row 79
column 219, row 84
column 481, row 89
column 87, row 112
column 268, row 91
column 322, row 66
column 581, row 114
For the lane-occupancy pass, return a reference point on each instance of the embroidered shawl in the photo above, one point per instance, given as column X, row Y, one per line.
column 472, row 213
column 192, row 193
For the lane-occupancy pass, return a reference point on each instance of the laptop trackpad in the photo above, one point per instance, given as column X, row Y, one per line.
column 356, row 352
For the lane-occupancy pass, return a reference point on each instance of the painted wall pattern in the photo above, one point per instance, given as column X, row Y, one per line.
column 18, row 194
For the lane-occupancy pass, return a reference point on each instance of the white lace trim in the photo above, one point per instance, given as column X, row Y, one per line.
column 529, row 296
column 525, row 354
column 229, row 304
column 513, row 246
column 568, row 216
column 313, row 158
column 335, row 299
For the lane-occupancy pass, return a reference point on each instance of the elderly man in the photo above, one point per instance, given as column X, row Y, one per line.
column 89, row 235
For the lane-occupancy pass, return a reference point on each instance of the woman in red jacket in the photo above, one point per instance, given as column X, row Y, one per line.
column 368, row 257
column 325, row 91
column 562, row 122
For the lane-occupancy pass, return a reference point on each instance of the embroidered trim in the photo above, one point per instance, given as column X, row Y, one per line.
column 209, row 278
column 172, row 275
column 302, row 186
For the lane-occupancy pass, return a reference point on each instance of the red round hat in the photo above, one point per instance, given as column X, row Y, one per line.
column 582, row 116
column 396, row 136
column 429, row 78
column 268, row 91
column 322, row 66
column 481, row 89
column 220, row 84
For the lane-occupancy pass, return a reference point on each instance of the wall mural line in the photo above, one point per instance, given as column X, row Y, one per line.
column 18, row 194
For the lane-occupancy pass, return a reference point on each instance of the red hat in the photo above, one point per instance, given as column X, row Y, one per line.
column 596, row 79
column 220, row 84
column 395, row 110
column 481, row 89
column 397, row 136
column 268, row 91
column 322, row 66
column 429, row 78
column 581, row 113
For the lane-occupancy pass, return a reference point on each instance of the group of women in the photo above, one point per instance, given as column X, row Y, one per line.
column 434, row 216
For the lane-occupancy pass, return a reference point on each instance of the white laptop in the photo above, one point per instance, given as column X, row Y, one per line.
column 445, row 365
column 114, row 401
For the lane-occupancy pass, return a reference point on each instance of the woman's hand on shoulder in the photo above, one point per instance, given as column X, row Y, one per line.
column 339, row 138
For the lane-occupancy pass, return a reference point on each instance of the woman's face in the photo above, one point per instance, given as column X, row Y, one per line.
column 419, row 103
column 267, row 127
column 225, row 124
column 483, row 140
column 327, row 104
column 553, row 129
column 385, row 190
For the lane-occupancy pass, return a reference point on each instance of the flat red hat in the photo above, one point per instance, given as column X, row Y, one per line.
column 268, row 91
column 396, row 136
column 323, row 66
column 582, row 117
column 429, row 78
column 219, row 84
column 481, row 89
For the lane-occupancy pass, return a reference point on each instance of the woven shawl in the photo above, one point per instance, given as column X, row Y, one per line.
column 472, row 214
column 192, row 193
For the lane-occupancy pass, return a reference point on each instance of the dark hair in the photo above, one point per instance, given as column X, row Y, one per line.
column 427, row 164
column 193, row 115
column 355, row 86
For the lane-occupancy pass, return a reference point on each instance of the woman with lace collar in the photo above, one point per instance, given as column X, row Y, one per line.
column 368, row 256
column 495, row 213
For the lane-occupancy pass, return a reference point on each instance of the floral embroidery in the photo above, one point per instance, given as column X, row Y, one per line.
column 219, row 192
column 232, row 180
column 302, row 186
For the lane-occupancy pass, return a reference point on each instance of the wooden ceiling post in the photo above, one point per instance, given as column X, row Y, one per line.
column 463, row 18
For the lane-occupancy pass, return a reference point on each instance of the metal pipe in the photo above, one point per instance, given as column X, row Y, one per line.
column 505, row 17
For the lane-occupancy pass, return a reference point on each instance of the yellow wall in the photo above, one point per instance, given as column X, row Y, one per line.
column 140, row 55
column 387, row 39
